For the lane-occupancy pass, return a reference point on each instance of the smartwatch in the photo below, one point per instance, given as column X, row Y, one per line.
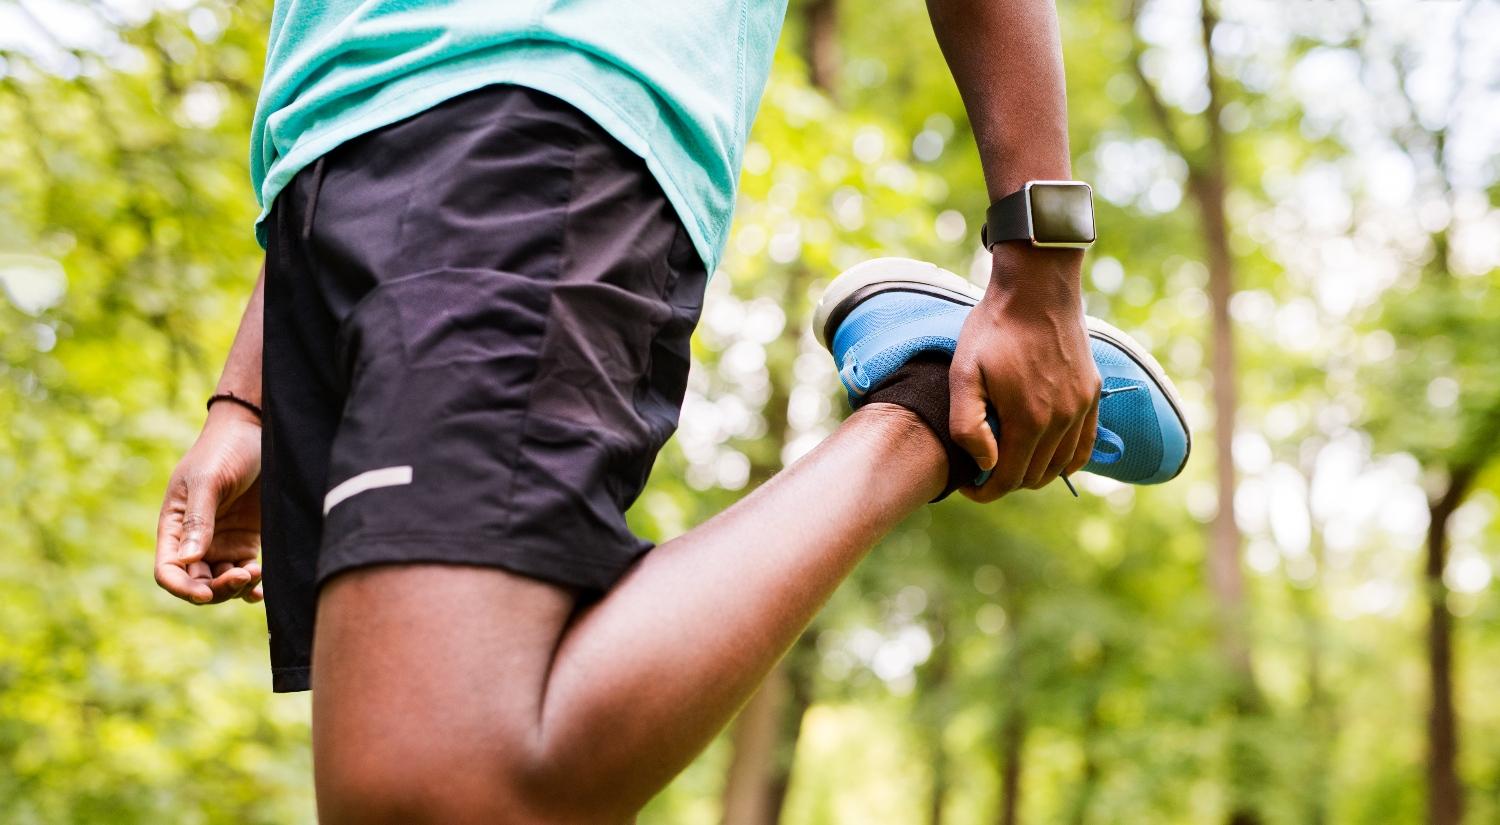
column 1046, row 213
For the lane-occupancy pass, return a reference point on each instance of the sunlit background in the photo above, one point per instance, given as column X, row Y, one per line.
column 1312, row 638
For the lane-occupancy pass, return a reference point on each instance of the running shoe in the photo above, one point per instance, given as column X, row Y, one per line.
column 878, row 315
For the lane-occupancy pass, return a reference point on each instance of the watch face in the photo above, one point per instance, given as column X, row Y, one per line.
column 1062, row 213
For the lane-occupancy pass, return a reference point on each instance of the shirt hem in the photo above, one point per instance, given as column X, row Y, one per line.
column 421, row 98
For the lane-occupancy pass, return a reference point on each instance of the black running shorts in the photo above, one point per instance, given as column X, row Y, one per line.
column 476, row 341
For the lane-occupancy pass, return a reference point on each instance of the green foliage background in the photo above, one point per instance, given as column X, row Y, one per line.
column 1368, row 358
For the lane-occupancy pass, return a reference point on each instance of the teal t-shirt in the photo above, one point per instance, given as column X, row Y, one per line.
column 675, row 81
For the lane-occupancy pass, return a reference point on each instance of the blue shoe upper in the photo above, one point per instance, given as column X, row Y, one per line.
column 886, row 330
column 1141, row 438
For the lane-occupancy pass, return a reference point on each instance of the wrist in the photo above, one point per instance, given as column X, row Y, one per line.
column 1036, row 274
column 225, row 410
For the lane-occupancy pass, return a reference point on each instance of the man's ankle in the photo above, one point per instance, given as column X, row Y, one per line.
column 904, row 434
column 920, row 387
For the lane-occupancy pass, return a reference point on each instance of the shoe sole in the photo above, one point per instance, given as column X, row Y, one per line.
column 905, row 274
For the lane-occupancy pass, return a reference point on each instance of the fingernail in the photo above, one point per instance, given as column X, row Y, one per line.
column 188, row 549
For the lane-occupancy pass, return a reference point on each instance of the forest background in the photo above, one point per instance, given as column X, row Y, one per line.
column 1299, row 210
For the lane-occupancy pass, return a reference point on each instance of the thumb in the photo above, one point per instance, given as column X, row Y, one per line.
column 967, row 420
column 198, row 520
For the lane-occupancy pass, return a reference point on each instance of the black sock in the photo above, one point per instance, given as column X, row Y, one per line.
column 921, row 385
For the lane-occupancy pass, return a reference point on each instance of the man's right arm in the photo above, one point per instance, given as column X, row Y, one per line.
column 1023, row 350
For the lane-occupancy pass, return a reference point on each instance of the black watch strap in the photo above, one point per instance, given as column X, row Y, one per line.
column 1006, row 220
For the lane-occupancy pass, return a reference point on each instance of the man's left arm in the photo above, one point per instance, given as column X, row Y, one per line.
column 208, row 533
column 1024, row 349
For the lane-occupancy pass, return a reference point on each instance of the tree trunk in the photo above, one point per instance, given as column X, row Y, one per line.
column 1445, row 802
column 747, row 788
column 939, row 790
column 934, row 680
column 765, row 736
column 820, row 47
column 1088, row 783
column 765, row 740
column 1012, row 740
column 1207, row 187
column 1013, row 727
column 1318, row 708
column 799, row 664
column 1225, row 572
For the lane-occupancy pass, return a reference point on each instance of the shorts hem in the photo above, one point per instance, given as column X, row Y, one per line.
column 291, row 679
column 544, row 562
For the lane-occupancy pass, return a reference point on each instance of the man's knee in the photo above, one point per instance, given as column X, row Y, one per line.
column 392, row 788
column 387, row 783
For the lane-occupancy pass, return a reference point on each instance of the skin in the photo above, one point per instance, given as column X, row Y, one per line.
column 1024, row 349
column 208, row 533
column 585, row 717
column 455, row 694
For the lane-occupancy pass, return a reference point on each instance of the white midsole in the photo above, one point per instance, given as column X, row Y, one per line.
column 1148, row 362
column 894, row 271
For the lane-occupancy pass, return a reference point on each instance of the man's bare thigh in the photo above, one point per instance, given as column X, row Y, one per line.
column 443, row 664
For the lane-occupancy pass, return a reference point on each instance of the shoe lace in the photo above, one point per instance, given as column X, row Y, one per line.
column 1109, row 447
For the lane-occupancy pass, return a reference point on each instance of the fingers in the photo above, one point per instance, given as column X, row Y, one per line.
column 1054, row 450
column 171, row 574
column 184, row 532
column 1086, row 434
column 251, row 570
column 253, row 589
column 966, row 413
column 202, row 501
column 1019, row 437
column 1066, row 450
column 230, row 581
column 1054, row 460
column 200, row 583
column 174, row 578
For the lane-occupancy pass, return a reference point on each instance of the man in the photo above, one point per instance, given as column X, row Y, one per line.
column 488, row 228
